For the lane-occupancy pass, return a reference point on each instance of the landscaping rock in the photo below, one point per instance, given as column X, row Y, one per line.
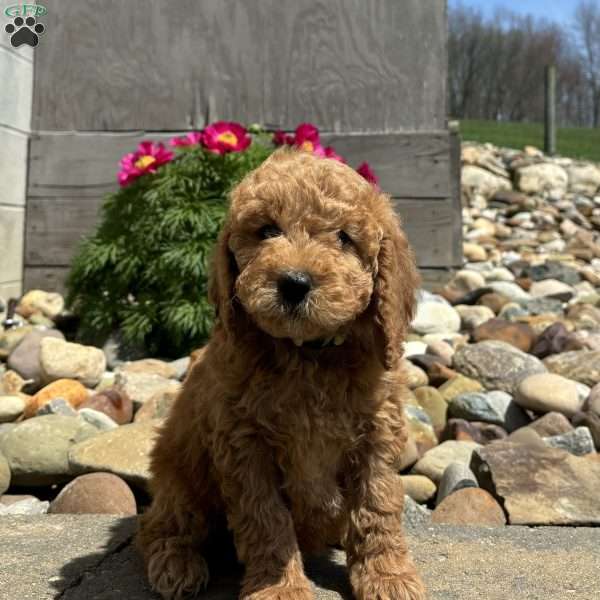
column 181, row 366
column 578, row 442
column 458, row 385
column 457, row 476
column 157, row 407
column 4, row 474
column 26, row 507
column 418, row 487
column 140, row 387
column 57, row 406
column 97, row 419
column 421, row 428
column 11, row 338
column 113, row 402
column 414, row 515
column 542, row 177
column 65, row 360
column 95, row 493
column 434, row 317
column 36, row 449
column 472, row 431
column 592, row 422
column 564, row 490
column 473, row 316
column 497, row 365
column 151, row 366
column 470, row 506
column 582, row 366
column 519, row 335
column 49, row 304
column 124, row 451
column 546, row 392
column 11, row 408
column 25, row 357
column 434, row 462
column 551, row 288
column 415, row 376
column 552, row 423
column 434, row 405
column 70, row 390
column 494, row 407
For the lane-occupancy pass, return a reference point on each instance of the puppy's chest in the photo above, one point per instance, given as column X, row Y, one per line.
column 310, row 436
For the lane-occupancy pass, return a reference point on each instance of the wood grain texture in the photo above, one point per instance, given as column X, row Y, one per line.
column 429, row 225
column 48, row 278
column 85, row 164
column 55, row 227
column 346, row 65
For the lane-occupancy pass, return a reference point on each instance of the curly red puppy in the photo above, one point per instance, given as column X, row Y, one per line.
column 291, row 419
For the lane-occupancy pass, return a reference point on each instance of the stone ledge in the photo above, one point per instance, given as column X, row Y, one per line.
column 69, row 557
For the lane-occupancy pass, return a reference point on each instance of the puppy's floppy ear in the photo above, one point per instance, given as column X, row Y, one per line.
column 221, row 286
column 395, row 287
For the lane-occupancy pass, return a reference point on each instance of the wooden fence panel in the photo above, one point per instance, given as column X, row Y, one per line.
column 347, row 65
column 85, row 164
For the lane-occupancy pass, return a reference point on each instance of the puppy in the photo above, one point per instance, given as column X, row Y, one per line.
column 290, row 421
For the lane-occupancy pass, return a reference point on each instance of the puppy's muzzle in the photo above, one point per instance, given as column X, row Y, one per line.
column 293, row 287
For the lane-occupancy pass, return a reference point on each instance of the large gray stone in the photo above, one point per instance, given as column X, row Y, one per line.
column 25, row 358
column 66, row 360
column 497, row 365
column 539, row 485
column 124, row 451
column 36, row 449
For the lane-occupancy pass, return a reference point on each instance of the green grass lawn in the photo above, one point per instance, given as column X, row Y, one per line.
column 574, row 142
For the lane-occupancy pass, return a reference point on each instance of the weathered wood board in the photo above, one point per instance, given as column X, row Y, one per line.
column 346, row 65
column 85, row 164
column 55, row 227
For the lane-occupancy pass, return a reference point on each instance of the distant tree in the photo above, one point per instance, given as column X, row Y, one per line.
column 587, row 22
column 496, row 65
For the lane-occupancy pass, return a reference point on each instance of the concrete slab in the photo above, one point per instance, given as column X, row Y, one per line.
column 72, row 557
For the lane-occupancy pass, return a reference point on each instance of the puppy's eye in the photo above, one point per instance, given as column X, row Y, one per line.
column 344, row 238
column 269, row 231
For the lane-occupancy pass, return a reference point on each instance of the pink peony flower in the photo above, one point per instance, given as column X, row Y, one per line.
column 331, row 153
column 189, row 139
column 224, row 136
column 281, row 138
column 146, row 159
column 307, row 138
column 365, row 170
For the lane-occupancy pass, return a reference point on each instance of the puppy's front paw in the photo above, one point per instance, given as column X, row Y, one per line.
column 175, row 569
column 280, row 593
column 369, row 584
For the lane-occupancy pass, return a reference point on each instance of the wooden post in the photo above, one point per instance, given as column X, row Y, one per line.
column 550, row 111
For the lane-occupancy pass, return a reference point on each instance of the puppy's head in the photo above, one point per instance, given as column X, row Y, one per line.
column 309, row 246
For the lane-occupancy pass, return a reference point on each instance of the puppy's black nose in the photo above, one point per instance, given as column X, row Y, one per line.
column 293, row 286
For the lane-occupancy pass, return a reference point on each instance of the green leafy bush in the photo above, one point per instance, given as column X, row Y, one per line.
column 144, row 272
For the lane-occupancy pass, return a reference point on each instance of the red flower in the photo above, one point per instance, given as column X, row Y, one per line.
column 281, row 138
column 224, row 136
column 189, row 139
column 365, row 170
column 307, row 138
column 146, row 159
column 331, row 153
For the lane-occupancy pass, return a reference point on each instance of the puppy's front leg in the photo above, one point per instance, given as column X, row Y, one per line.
column 380, row 565
column 262, row 525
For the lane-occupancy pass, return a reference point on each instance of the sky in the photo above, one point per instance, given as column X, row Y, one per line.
column 560, row 11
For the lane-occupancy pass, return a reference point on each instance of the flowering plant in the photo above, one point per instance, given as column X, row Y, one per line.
column 143, row 273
